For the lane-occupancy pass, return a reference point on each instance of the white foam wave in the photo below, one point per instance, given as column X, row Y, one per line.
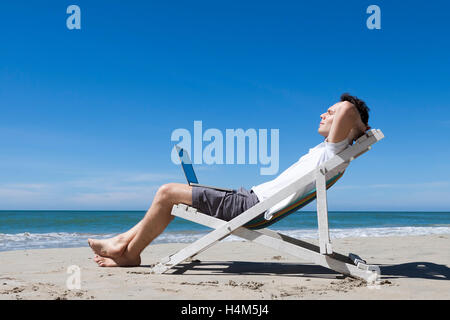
column 370, row 232
column 27, row 240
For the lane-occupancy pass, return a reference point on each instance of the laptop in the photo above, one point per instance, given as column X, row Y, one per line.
column 189, row 172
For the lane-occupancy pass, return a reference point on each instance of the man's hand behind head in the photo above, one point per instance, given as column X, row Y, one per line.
column 345, row 119
column 358, row 130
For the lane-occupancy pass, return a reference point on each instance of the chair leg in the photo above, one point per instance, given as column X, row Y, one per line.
column 322, row 212
column 309, row 252
column 221, row 231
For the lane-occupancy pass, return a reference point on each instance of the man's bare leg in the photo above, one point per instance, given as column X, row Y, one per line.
column 114, row 247
column 153, row 224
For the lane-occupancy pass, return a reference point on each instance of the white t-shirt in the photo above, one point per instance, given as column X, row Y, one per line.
column 314, row 158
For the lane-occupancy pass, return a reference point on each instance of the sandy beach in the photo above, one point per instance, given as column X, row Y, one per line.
column 414, row 267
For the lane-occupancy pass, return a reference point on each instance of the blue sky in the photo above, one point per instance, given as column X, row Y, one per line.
column 87, row 115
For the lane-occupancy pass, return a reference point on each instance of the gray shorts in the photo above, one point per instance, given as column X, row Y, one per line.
column 223, row 205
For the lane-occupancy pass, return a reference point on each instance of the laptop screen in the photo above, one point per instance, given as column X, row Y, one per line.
column 186, row 165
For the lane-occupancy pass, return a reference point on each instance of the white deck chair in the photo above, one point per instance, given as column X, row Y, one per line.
column 323, row 254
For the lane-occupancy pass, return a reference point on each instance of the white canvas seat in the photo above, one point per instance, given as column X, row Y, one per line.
column 323, row 176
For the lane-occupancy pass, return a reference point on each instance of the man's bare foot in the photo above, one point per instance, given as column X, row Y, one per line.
column 109, row 248
column 121, row 261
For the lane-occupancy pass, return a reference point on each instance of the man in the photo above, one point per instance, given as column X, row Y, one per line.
column 341, row 124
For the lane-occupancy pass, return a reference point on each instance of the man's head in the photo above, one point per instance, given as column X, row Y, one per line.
column 360, row 125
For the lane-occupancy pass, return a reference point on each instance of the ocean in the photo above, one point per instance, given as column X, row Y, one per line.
column 63, row 229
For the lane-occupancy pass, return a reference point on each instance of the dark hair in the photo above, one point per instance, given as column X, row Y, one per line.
column 363, row 109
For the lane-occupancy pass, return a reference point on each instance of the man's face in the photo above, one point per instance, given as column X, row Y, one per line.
column 326, row 119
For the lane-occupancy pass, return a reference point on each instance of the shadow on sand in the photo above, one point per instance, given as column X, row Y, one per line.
column 421, row 270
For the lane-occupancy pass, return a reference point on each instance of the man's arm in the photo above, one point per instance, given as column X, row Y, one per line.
column 346, row 124
column 343, row 122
